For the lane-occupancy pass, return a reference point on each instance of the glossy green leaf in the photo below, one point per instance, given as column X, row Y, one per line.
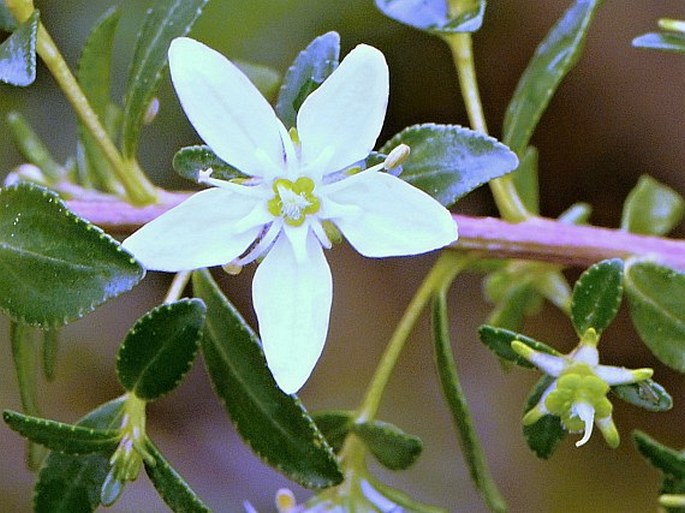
column 18, row 54
column 335, row 425
column 7, row 21
column 666, row 41
column 171, row 486
column 391, row 446
column 652, row 208
column 449, row 161
column 544, row 436
column 311, row 67
column 55, row 267
column 646, row 394
column 656, row 295
column 526, row 180
column 499, row 340
column 274, row 424
column 71, row 484
column 61, row 437
column 189, row 161
column 434, row 15
column 166, row 20
column 160, row 348
column 264, row 78
column 553, row 59
column 32, row 147
column 597, row 296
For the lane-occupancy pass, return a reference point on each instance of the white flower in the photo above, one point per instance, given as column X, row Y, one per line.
column 299, row 189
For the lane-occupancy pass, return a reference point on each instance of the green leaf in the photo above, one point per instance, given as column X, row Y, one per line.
column 32, row 147
column 50, row 349
column 189, row 161
column 54, row 266
column 335, row 425
column 544, row 436
column 391, row 446
column 526, row 180
column 666, row 41
column 61, row 437
column 499, row 340
column 656, row 295
column 166, row 20
column 652, row 208
column 647, row 394
column 264, row 78
column 274, row 424
column 663, row 458
column 160, row 348
column 597, row 296
column 553, row 59
column 311, row 67
column 71, row 484
column 7, row 21
column 18, row 54
column 434, row 15
column 449, row 161
column 171, row 486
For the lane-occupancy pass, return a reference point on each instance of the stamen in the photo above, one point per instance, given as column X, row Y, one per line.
column 397, row 156
column 320, row 233
column 262, row 246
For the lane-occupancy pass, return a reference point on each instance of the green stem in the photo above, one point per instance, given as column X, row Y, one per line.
column 178, row 285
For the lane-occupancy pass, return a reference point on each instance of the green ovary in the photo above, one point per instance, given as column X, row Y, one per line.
column 293, row 201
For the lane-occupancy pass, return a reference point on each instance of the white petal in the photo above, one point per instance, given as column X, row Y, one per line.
column 343, row 117
column 200, row 232
column 226, row 109
column 392, row 218
column 293, row 303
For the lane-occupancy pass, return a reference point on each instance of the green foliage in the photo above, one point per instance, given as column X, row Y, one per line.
column 646, row 394
column 7, row 21
column 435, row 16
column 274, row 424
column 18, row 52
column 597, row 296
column 160, row 348
column 32, row 147
column 499, row 341
column 311, row 67
column 668, row 40
column 652, row 208
column 190, row 160
column 545, row 435
column 335, row 425
column 526, row 179
column 56, row 267
column 670, row 462
column 449, row 161
column 656, row 295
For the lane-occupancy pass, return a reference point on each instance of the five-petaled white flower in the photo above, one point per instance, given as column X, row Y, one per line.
column 300, row 191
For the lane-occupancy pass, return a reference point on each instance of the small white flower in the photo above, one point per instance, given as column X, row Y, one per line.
column 298, row 189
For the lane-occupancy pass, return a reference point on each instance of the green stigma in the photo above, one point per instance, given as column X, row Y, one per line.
column 293, row 201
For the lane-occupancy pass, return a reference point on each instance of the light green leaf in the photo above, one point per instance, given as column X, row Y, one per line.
column 18, row 54
column 434, row 15
column 526, row 180
column 171, row 486
column 499, row 340
column 264, row 78
column 7, row 21
column 311, row 67
column 449, row 161
column 391, row 446
column 274, row 424
column 647, row 394
column 189, row 161
column 32, row 147
column 656, row 295
column 160, row 348
column 666, row 41
column 652, row 208
column 553, row 59
column 544, row 436
column 166, row 20
column 54, row 266
column 597, row 296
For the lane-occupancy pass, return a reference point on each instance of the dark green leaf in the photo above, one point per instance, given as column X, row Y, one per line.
column 32, row 147
column 597, row 296
column 311, row 67
column 526, row 180
column 50, row 349
column 55, row 267
column 652, row 208
column 647, row 394
column 61, row 437
column 7, row 21
column 189, row 161
column 667, row 41
column 513, row 295
column 160, row 348
column 171, row 486
column 663, row 458
column 553, row 59
column 274, row 424
column 449, row 161
column 71, row 484
column 391, row 446
column 656, row 297
column 499, row 341
column 18, row 54
column 166, row 20
column 435, row 15
column 335, row 425
column 544, row 436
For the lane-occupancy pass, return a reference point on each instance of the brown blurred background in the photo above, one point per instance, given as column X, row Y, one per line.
column 619, row 114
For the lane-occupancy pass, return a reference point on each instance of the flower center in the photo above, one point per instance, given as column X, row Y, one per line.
column 293, row 201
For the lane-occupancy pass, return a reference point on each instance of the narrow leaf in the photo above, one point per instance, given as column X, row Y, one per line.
column 391, row 446
column 18, row 54
column 274, row 424
column 160, row 348
column 166, row 20
column 652, row 208
column 449, row 161
column 50, row 349
column 597, row 296
column 435, row 16
column 656, row 295
column 526, row 180
column 647, row 394
column 663, row 458
column 61, row 437
column 32, row 147
column 191, row 160
column 544, row 436
column 666, row 41
column 499, row 341
column 553, row 59
column 55, row 267
column 335, row 425
column 311, row 67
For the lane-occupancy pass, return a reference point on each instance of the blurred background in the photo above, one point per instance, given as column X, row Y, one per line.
column 618, row 115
